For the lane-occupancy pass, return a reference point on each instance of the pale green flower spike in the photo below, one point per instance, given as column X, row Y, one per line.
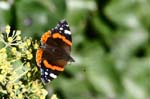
column 54, row 96
column 17, row 67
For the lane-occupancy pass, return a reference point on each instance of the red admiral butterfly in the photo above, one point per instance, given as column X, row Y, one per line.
column 54, row 52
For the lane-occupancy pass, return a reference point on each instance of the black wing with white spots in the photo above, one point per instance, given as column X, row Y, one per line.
column 63, row 28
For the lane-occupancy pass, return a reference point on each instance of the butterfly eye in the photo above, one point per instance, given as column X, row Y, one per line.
column 53, row 50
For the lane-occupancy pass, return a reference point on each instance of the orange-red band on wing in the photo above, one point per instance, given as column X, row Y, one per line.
column 57, row 35
column 39, row 54
column 45, row 36
column 47, row 65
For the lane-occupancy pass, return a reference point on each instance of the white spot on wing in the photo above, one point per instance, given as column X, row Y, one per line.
column 61, row 28
column 53, row 75
column 46, row 73
column 60, row 32
column 67, row 32
column 49, row 80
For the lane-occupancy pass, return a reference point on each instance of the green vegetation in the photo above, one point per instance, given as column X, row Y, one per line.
column 111, row 47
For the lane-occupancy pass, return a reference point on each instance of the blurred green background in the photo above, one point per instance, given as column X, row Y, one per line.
column 111, row 44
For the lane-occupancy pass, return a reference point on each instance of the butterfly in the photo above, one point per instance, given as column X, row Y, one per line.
column 54, row 51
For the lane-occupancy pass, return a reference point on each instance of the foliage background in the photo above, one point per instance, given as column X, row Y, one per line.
column 111, row 44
